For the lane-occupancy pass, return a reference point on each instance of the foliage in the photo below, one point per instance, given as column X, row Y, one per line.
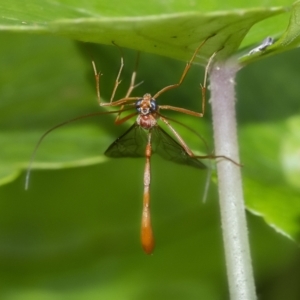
column 75, row 232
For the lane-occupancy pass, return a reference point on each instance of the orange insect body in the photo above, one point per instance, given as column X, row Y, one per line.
column 147, row 236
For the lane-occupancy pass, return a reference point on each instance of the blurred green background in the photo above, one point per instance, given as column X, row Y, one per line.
column 75, row 233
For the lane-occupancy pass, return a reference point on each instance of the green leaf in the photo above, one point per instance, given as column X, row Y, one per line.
column 290, row 152
column 269, row 139
column 75, row 233
column 36, row 86
column 289, row 40
column 171, row 31
column 291, row 37
column 268, row 193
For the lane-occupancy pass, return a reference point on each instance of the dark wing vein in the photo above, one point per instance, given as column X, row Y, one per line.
column 131, row 144
column 168, row 148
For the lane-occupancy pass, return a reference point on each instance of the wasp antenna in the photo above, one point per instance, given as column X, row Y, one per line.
column 55, row 127
column 37, row 146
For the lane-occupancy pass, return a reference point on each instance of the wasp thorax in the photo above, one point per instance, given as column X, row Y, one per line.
column 147, row 108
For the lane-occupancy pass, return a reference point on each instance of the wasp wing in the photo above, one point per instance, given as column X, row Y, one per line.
column 133, row 144
column 130, row 144
column 168, row 148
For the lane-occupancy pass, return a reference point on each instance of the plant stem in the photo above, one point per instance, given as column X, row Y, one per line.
column 233, row 216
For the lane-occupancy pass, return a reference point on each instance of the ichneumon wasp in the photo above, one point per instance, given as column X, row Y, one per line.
column 145, row 136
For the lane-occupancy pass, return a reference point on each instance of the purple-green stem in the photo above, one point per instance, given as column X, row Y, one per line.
column 233, row 215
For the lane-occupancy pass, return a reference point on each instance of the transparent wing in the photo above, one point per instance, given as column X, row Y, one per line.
column 168, row 148
column 130, row 144
column 133, row 144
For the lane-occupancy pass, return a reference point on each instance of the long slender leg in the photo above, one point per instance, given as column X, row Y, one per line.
column 120, row 101
column 147, row 237
column 203, row 86
column 131, row 87
column 189, row 151
column 203, row 93
column 124, row 119
column 117, row 82
column 97, row 77
column 133, row 76
column 185, row 71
